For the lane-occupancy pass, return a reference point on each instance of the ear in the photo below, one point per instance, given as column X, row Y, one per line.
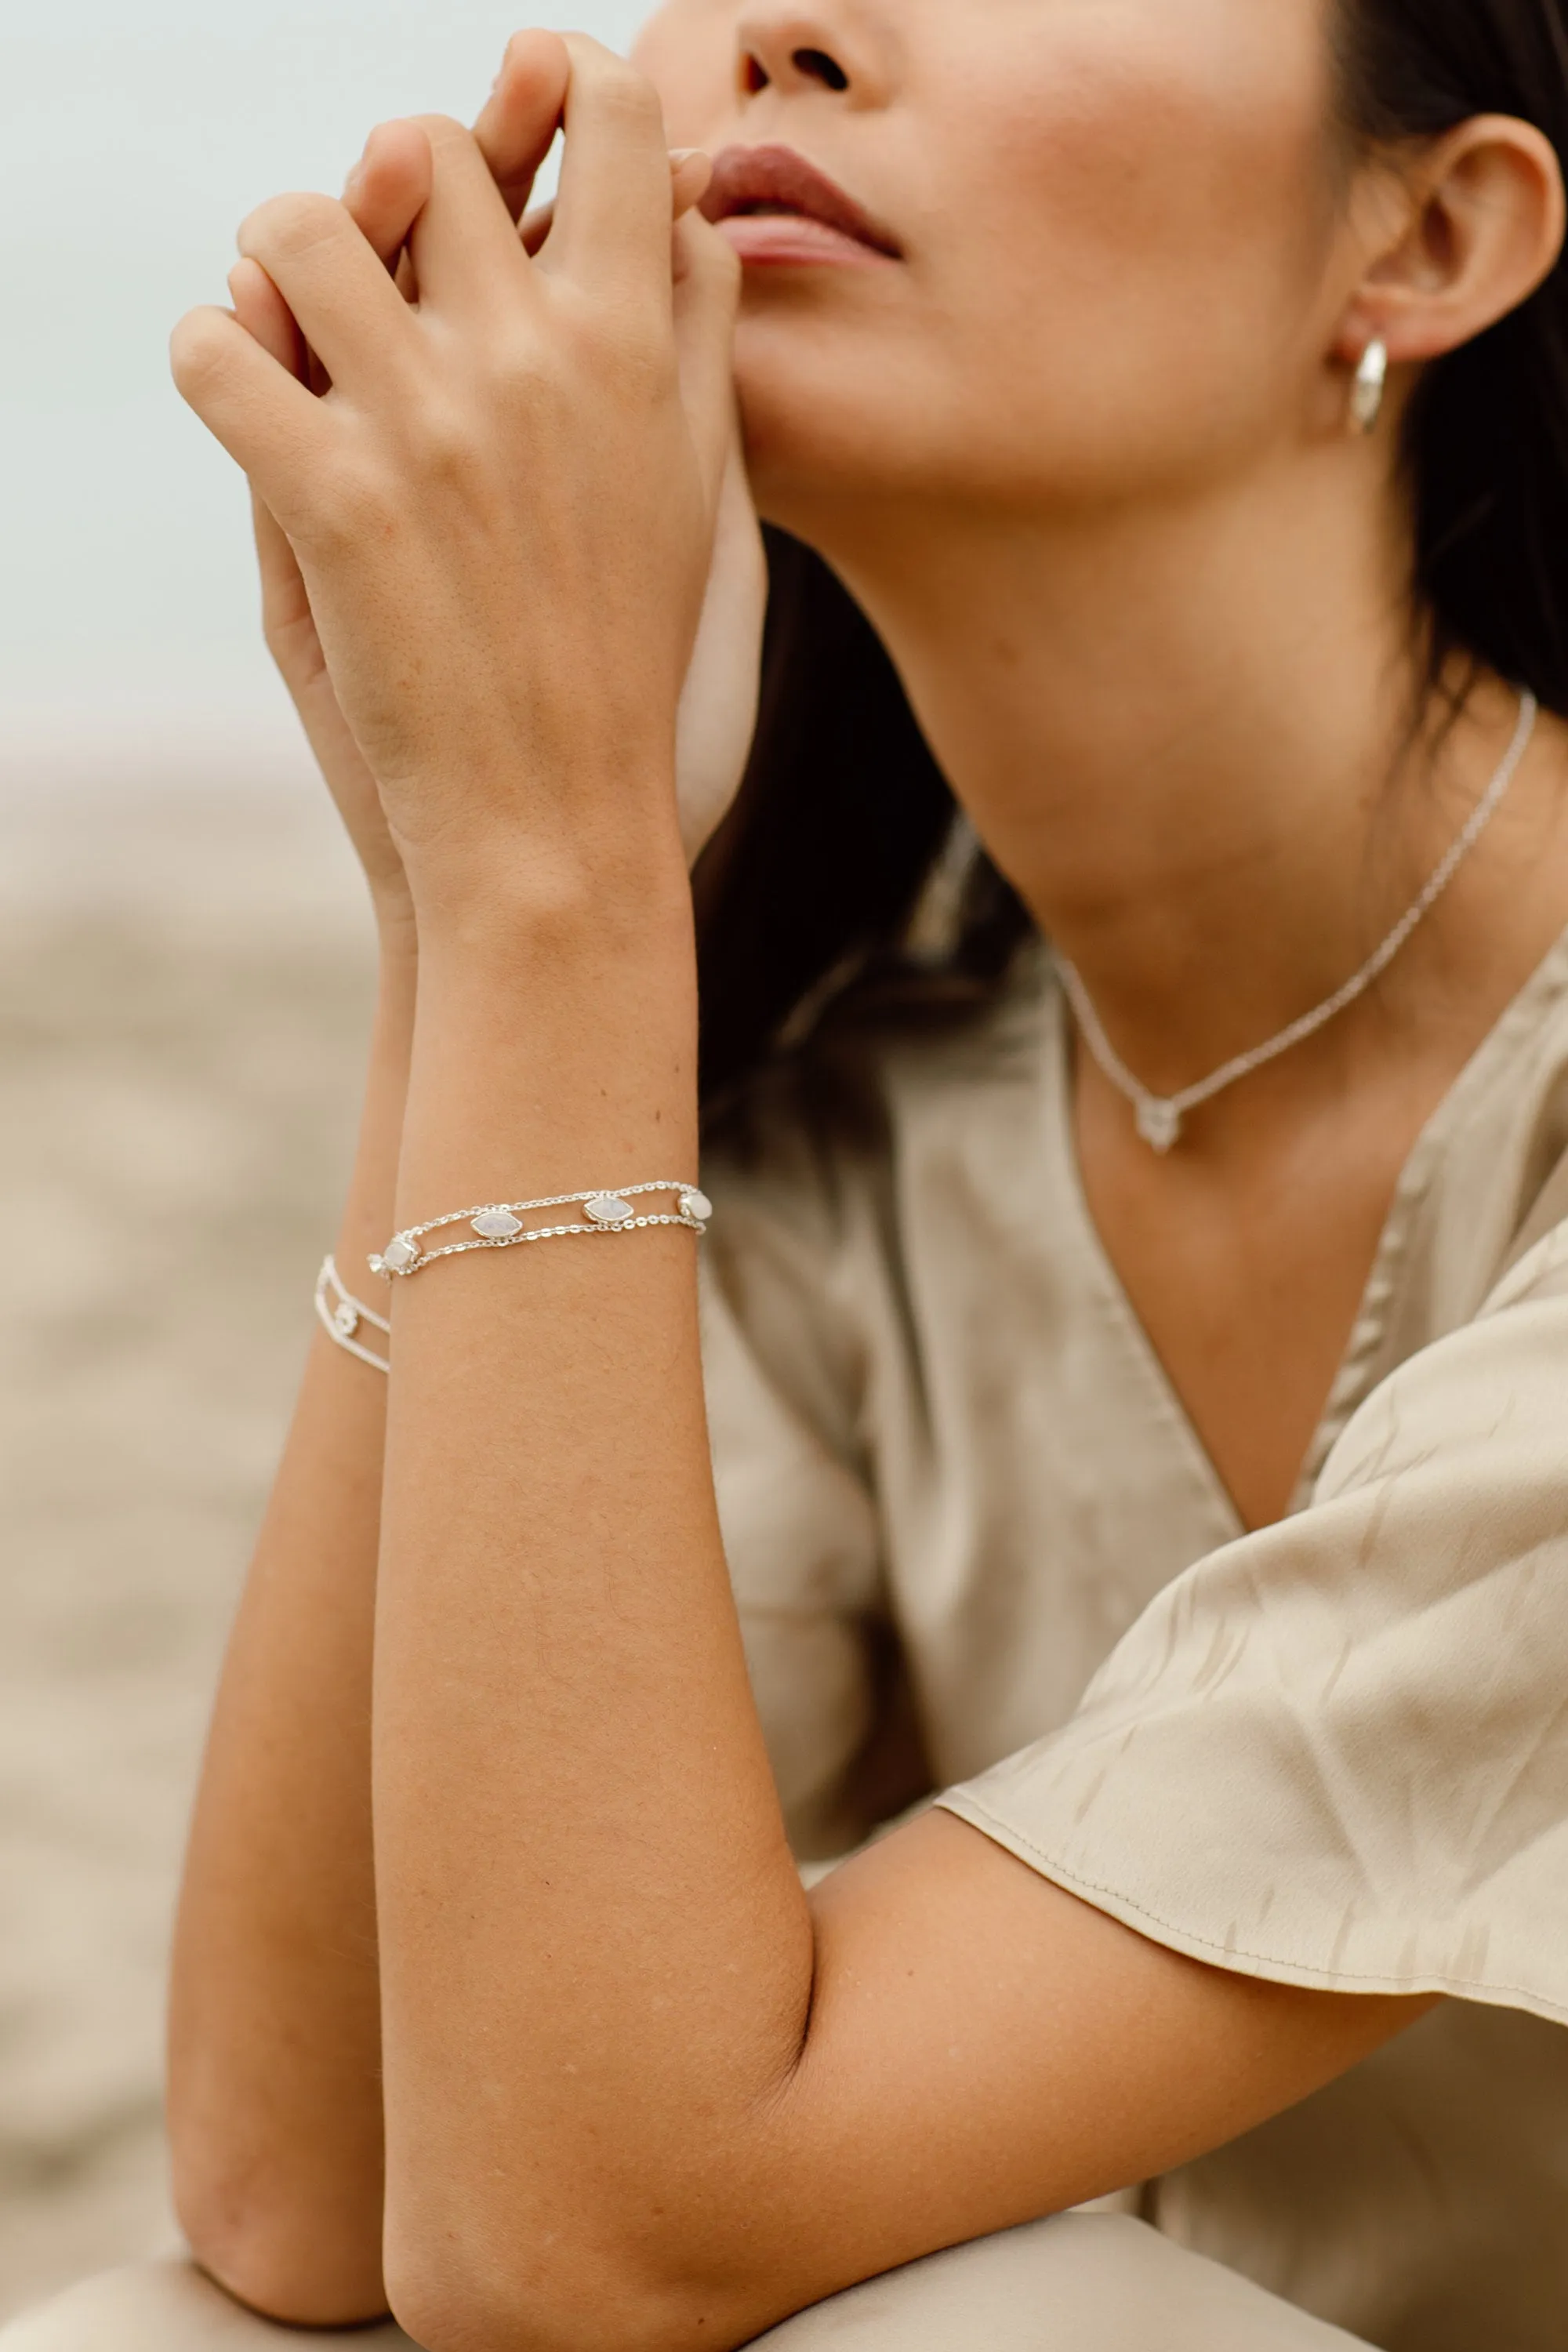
column 1476, row 225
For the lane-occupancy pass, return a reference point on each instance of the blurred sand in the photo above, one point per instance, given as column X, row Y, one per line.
column 184, row 987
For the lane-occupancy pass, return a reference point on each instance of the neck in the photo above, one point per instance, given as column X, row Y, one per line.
column 1175, row 728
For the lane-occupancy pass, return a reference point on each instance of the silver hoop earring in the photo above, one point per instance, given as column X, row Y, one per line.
column 1370, row 385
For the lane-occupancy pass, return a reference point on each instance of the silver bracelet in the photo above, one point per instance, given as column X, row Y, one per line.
column 344, row 1319
column 502, row 1224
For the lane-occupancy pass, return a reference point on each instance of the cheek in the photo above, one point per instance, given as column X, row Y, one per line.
column 1118, row 244
column 1154, row 221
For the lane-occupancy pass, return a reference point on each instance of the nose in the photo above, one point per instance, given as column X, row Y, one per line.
column 785, row 50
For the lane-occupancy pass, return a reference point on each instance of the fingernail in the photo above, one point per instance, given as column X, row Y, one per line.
column 679, row 155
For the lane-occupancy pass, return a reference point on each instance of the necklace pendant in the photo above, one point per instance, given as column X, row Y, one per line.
column 1159, row 1123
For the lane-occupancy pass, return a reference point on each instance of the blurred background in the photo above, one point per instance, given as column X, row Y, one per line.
column 184, row 987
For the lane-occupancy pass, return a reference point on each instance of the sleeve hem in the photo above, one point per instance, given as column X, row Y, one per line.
column 1271, row 1967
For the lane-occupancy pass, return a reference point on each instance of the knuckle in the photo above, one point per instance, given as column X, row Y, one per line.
column 354, row 502
column 443, row 130
column 629, row 97
column 604, row 326
column 290, row 225
column 630, row 347
column 515, row 367
column 445, row 446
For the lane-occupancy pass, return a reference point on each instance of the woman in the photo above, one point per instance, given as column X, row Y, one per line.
column 1181, row 1310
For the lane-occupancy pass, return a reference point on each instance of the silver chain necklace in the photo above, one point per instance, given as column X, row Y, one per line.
column 1160, row 1117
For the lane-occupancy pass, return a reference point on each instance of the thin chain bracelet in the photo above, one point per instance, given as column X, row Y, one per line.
column 342, row 1321
column 500, row 1225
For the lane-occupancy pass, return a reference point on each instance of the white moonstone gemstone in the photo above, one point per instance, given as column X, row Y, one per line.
column 400, row 1253
column 345, row 1322
column 696, row 1205
column 497, row 1224
column 608, row 1209
column 1158, row 1124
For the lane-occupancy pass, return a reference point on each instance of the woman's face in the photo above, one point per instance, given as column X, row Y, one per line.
column 1106, row 259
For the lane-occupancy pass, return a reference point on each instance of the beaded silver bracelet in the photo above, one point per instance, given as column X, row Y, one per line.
column 502, row 1223
column 344, row 1317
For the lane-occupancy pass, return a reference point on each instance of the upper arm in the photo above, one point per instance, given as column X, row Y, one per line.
column 986, row 2048
column 1327, row 1772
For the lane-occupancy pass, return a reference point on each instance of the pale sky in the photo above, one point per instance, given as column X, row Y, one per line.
column 134, row 134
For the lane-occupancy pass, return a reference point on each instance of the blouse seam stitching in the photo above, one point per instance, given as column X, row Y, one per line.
column 1456, row 1984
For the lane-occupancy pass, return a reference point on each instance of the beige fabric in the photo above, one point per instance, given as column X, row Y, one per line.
column 1077, row 2284
column 1334, row 1753
column 167, row 2306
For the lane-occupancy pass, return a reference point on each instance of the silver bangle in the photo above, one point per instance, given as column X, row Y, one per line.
column 502, row 1223
column 342, row 1317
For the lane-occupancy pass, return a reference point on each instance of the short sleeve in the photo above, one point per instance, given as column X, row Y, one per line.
column 800, row 1526
column 1335, row 1753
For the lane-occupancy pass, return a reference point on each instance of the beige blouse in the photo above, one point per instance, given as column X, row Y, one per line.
column 962, row 1501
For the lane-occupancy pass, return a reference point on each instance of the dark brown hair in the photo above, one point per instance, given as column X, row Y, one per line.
column 805, row 899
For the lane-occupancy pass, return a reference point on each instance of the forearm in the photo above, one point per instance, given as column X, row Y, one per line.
column 593, row 1933
column 275, row 2092
column 636, row 2090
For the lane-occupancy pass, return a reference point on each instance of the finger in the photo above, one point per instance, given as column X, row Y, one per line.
column 389, row 188
column 346, row 306
column 612, row 213
column 274, row 429
column 690, row 170
column 706, row 293
column 284, row 602
column 464, row 245
column 517, row 125
column 264, row 314
column 690, row 176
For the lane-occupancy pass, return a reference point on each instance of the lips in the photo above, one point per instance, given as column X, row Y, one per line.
column 776, row 207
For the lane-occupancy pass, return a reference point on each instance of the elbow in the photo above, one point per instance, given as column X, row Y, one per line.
column 577, row 2304
column 294, row 2267
column 443, row 2322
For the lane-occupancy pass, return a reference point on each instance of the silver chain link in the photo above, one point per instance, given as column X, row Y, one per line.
column 1160, row 1117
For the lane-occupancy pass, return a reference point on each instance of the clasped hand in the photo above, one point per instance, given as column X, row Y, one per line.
column 496, row 503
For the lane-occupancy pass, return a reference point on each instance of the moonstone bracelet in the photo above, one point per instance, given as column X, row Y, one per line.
column 344, row 1317
column 503, row 1225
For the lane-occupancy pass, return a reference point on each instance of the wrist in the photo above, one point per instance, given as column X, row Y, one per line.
column 531, row 906
column 553, row 1048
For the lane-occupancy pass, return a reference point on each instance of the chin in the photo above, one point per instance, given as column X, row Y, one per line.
column 820, row 428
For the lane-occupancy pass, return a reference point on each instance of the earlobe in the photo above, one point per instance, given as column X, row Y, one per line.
column 1484, row 228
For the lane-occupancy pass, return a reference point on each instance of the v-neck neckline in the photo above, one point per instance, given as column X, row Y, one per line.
column 1352, row 1381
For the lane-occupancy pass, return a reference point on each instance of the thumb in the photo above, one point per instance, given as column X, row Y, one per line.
column 707, row 292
